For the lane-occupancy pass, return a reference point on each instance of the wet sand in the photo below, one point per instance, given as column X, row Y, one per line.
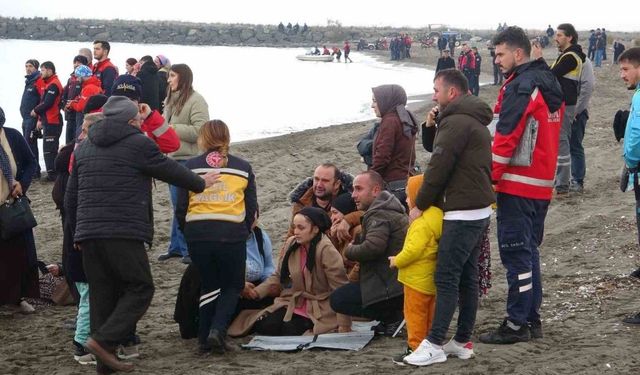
column 590, row 247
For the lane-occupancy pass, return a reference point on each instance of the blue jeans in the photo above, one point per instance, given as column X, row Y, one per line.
column 520, row 232
column 178, row 245
column 578, row 162
column 456, row 278
column 599, row 54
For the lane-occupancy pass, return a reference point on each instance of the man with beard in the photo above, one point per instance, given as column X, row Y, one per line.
column 629, row 62
column 327, row 183
column 104, row 69
column 567, row 68
column 530, row 100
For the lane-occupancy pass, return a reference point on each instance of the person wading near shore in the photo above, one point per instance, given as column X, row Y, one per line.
column 394, row 151
column 114, row 168
column 377, row 294
column 629, row 63
column 104, row 69
column 529, row 102
column 458, row 179
column 49, row 118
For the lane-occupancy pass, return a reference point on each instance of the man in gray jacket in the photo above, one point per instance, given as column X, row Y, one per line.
column 578, row 161
column 378, row 295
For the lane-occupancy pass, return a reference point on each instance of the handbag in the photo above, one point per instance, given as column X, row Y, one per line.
column 16, row 217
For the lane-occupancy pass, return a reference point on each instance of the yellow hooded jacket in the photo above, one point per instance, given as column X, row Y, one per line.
column 417, row 261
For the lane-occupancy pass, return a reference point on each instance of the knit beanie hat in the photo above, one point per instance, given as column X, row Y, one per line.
column 94, row 103
column 344, row 203
column 127, row 85
column 83, row 71
column 413, row 185
column 318, row 217
column 164, row 61
column 33, row 62
column 119, row 108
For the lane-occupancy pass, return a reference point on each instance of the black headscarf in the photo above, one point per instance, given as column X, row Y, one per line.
column 393, row 98
column 320, row 219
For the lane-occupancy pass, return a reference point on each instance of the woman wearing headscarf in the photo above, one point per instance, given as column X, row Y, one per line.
column 310, row 270
column 18, row 268
column 394, row 152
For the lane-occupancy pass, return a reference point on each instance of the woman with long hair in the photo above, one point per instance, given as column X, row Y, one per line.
column 216, row 224
column 186, row 111
column 18, row 268
column 310, row 270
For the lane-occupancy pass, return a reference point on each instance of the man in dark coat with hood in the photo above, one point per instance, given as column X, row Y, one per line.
column 457, row 179
column 150, row 81
column 108, row 200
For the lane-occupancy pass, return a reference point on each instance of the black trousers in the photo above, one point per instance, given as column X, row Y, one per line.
column 221, row 266
column 120, row 287
column 273, row 324
column 50, row 145
column 347, row 300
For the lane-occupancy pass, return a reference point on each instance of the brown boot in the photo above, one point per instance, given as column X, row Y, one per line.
column 108, row 358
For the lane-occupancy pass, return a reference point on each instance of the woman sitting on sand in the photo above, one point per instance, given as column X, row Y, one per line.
column 310, row 270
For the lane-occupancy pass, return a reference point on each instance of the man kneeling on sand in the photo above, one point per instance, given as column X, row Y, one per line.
column 378, row 294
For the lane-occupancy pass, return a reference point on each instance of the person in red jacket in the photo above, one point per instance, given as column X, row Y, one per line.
column 104, row 70
column 49, row 118
column 154, row 125
column 525, row 150
column 90, row 86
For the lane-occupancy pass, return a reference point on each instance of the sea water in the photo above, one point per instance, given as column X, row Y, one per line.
column 258, row 91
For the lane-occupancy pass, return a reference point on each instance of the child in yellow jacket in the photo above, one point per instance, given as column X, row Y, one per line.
column 416, row 265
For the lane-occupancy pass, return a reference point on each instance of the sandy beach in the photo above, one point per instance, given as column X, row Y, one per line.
column 589, row 249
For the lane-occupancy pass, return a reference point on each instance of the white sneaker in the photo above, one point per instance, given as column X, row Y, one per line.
column 426, row 354
column 462, row 351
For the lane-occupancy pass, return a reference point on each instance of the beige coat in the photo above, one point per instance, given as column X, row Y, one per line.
column 328, row 274
column 187, row 123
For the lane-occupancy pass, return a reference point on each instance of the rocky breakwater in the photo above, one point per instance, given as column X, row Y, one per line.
column 173, row 32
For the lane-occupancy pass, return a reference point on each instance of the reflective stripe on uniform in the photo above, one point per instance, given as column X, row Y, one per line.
column 500, row 159
column 524, row 276
column 524, row 288
column 161, row 130
column 527, row 180
column 223, row 217
column 234, row 171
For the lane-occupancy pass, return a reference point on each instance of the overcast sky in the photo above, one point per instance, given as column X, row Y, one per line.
column 615, row 15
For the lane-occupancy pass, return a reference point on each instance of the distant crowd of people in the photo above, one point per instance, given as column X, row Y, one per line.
column 390, row 244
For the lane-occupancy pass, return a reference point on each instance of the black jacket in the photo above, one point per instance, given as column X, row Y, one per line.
column 162, row 87
column 150, row 81
column 445, row 63
column 458, row 176
column 109, row 189
column 565, row 64
column 30, row 96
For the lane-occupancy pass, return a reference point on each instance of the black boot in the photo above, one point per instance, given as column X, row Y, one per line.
column 216, row 341
column 535, row 329
column 505, row 334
